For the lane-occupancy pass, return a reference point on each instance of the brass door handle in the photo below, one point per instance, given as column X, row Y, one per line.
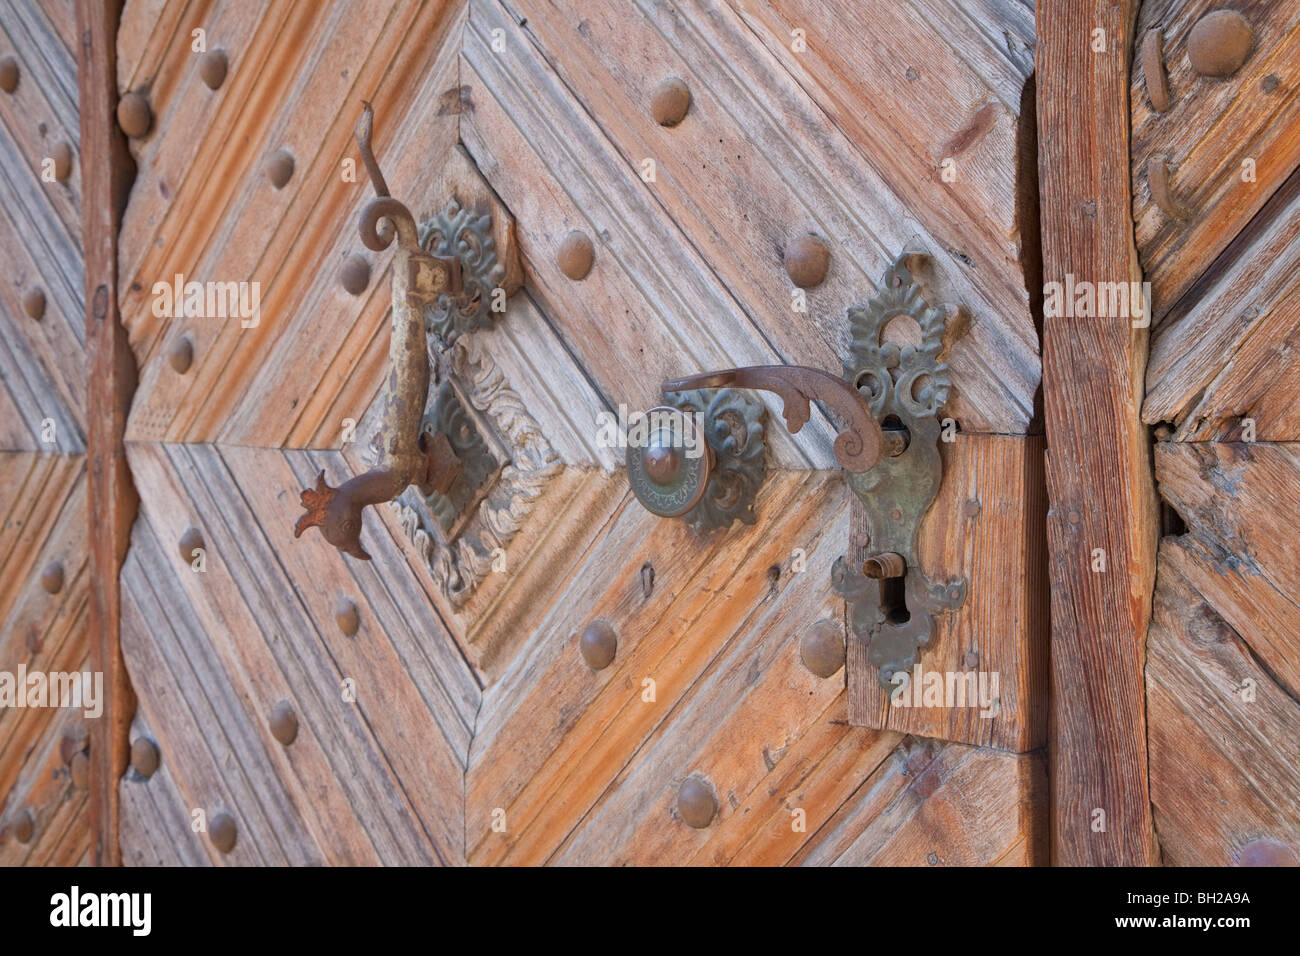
column 409, row 452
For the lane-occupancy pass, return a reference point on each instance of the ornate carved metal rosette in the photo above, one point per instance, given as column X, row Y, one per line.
column 734, row 422
column 467, row 236
column 906, row 385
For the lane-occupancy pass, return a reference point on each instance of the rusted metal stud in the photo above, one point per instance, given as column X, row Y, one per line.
column 180, row 355
column 1265, row 852
column 222, row 831
column 23, row 826
column 212, row 68
column 9, row 74
column 284, row 723
column 134, row 115
column 696, row 803
column 52, row 577
column 822, row 648
column 62, row 156
column 74, row 741
column 34, row 303
column 80, row 767
column 1153, row 70
column 279, row 168
column 191, row 541
column 887, row 564
column 1219, row 43
column 355, row 274
column 144, row 757
column 807, row 259
column 971, row 507
column 670, row 101
column 575, row 255
column 598, row 644
column 1161, row 191
column 347, row 616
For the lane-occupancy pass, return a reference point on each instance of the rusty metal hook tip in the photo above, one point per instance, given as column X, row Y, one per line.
column 364, row 129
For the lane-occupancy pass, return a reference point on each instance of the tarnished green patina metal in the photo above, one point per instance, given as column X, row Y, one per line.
column 668, row 461
column 905, row 386
column 733, row 423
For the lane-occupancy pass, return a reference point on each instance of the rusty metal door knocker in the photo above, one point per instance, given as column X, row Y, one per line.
column 442, row 274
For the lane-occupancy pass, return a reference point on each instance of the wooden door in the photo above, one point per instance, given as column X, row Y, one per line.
column 469, row 728
column 747, row 176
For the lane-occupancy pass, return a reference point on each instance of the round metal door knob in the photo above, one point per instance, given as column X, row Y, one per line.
column 664, row 474
column 1219, row 43
column 144, row 757
column 222, row 831
column 598, row 644
column 822, row 648
column 696, row 803
column 284, row 723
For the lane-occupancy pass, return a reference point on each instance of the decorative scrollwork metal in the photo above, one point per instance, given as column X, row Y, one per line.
column 466, row 236
column 906, row 386
column 733, row 424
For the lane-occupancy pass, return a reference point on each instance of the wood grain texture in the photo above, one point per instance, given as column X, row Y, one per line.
column 1224, row 726
column 375, row 780
column 1098, row 462
column 42, row 520
column 1213, row 126
column 1224, row 353
column 753, row 166
column 111, row 385
column 42, row 364
column 1002, row 628
column 207, row 211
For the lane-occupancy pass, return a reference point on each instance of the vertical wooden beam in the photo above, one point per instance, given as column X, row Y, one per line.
column 107, row 172
column 1099, row 479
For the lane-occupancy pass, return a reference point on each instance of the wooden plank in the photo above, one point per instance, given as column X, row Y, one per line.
column 552, row 733
column 1224, row 352
column 1098, row 463
column 986, row 525
column 1225, row 757
column 1241, row 505
column 1212, row 127
column 933, row 804
column 652, row 308
column 106, row 179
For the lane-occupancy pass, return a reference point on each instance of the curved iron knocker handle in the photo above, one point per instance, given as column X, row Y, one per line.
column 861, row 443
column 406, row 457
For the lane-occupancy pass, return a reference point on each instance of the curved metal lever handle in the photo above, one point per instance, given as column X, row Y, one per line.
column 858, row 447
column 405, row 458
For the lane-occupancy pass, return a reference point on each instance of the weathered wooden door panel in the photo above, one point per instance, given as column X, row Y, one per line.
column 1219, row 247
column 44, row 809
column 442, row 710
